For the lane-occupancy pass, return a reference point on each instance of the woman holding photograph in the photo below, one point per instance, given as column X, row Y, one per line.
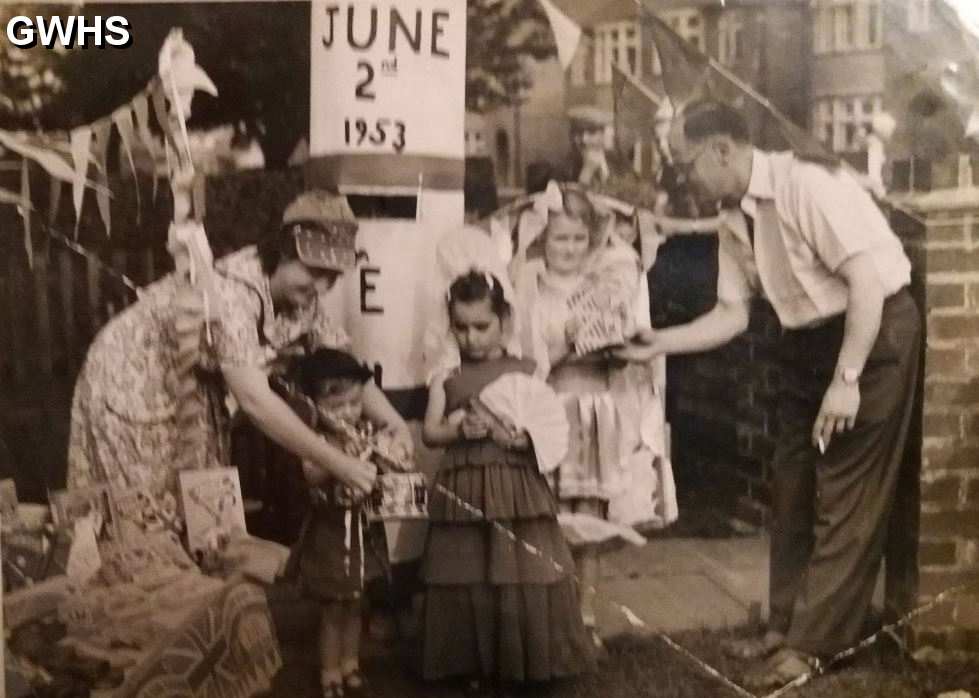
column 266, row 304
column 608, row 475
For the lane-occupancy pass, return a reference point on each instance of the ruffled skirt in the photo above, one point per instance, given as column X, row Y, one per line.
column 501, row 601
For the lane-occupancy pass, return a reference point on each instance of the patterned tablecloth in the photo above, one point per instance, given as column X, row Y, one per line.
column 225, row 648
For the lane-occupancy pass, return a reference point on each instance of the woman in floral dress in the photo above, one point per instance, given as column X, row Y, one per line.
column 265, row 301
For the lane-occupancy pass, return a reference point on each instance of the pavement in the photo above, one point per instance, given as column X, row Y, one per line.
column 671, row 584
column 679, row 584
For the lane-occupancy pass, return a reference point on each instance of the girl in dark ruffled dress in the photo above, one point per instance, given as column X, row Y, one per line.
column 494, row 612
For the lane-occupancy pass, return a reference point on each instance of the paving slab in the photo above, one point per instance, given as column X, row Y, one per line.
column 685, row 584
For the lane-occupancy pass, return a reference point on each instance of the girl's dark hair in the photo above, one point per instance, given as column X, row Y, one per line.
column 275, row 248
column 476, row 286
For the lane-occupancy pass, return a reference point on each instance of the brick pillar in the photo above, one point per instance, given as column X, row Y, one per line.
column 944, row 245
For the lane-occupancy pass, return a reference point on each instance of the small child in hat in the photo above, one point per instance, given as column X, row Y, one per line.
column 335, row 545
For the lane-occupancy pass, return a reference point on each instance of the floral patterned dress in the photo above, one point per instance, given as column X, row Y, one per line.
column 124, row 428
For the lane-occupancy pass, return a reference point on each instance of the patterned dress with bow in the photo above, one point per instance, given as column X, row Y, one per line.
column 124, row 428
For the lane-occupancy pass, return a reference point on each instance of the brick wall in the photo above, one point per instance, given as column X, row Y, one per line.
column 944, row 245
column 724, row 419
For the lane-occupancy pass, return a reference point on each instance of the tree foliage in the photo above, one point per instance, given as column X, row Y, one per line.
column 502, row 36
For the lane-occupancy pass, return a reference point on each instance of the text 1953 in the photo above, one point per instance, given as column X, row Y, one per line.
column 383, row 130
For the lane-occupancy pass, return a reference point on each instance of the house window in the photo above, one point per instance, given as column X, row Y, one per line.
column 730, row 38
column 617, row 44
column 842, row 122
column 847, row 25
column 919, row 15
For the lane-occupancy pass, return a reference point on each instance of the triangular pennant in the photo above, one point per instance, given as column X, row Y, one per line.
column 47, row 152
column 101, row 130
column 689, row 74
column 81, row 153
column 25, row 209
column 567, row 33
column 684, row 68
column 123, row 119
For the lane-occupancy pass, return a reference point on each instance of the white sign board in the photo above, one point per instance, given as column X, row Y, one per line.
column 387, row 117
column 383, row 74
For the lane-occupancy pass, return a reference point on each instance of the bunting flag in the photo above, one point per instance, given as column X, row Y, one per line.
column 689, row 74
column 567, row 33
column 633, row 107
column 685, row 71
column 68, row 157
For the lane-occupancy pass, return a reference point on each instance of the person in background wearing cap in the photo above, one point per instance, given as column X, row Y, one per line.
column 810, row 239
column 265, row 305
column 595, row 159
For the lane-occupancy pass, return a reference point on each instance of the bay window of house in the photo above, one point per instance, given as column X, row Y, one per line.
column 730, row 38
column 843, row 122
column 847, row 25
column 617, row 43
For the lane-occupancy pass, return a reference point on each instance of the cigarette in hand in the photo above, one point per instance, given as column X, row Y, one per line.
column 822, row 445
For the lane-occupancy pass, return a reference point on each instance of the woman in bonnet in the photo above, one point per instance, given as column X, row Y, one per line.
column 266, row 304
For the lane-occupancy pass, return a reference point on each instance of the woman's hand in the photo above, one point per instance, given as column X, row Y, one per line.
column 356, row 474
column 401, row 442
column 642, row 347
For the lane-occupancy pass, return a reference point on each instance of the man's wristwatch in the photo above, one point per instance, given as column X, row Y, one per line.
column 850, row 376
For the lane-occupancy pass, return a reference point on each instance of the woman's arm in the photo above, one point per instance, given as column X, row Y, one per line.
column 379, row 410
column 273, row 416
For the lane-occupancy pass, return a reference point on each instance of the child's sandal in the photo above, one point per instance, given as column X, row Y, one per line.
column 354, row 683
column 331, row 688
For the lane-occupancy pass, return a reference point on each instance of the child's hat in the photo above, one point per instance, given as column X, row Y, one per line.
column 331, row 364
column 324, row 228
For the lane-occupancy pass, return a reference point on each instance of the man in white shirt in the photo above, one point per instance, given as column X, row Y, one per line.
column 810, row 240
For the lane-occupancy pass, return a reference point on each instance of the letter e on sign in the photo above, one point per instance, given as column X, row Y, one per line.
column 367, row 287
